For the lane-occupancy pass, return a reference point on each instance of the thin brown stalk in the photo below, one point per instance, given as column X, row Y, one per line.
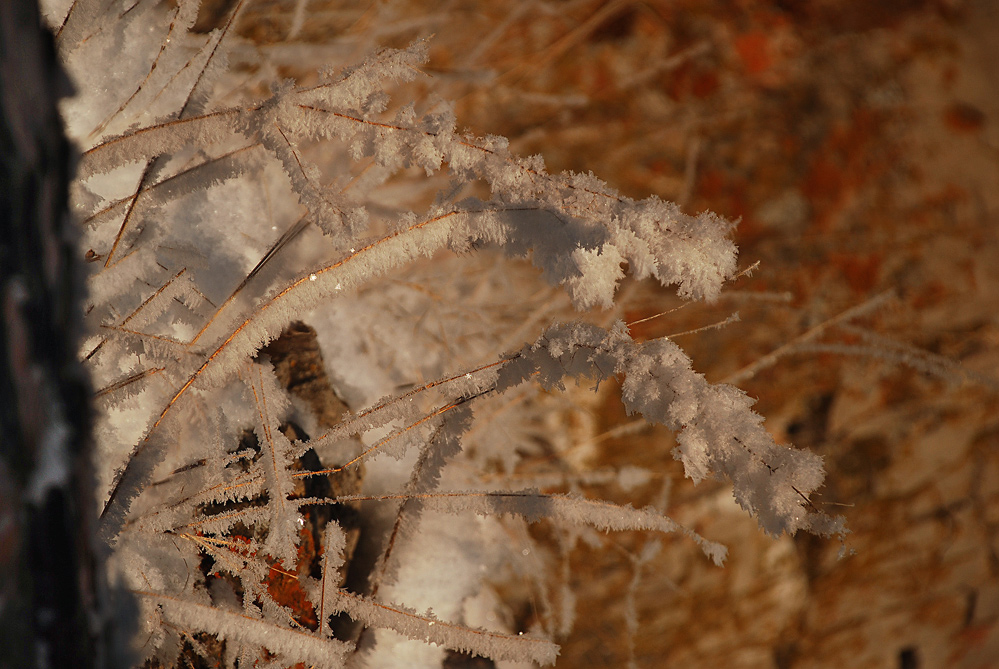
column 133, row 200
column 381, row 442
column 225, row 31
column 135, row 312
column 165, row 182
column 163, row 46
column 128, row 381
column 749, row 371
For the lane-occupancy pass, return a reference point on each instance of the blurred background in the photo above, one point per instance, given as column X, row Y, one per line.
column 857, row 143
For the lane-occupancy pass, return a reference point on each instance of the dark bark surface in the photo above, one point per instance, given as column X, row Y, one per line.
column 46, row 569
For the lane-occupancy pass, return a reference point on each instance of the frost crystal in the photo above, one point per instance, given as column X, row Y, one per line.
column 229, row 501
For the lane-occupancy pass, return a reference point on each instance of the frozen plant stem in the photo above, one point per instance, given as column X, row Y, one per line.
column 214, row 515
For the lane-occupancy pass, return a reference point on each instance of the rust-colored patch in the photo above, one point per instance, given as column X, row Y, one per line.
column 933, row 293
column 860, row 272
column 711, row 184
column 947, row 196
column 704, row 84
column 824, row 185
column 754, row 52
column 691, row 80
column 283, row 584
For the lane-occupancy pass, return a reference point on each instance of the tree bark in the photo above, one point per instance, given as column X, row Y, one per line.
column 48, row 608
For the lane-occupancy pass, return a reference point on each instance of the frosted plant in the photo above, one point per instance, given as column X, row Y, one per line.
column 209, row 233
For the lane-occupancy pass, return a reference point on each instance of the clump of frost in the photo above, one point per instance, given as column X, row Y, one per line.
column 209, row 230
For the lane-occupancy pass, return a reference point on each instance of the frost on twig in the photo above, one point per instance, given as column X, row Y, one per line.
column 211, row 225
column 718, row 433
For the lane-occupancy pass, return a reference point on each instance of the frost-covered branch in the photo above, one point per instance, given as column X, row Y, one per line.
column 211, row 223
